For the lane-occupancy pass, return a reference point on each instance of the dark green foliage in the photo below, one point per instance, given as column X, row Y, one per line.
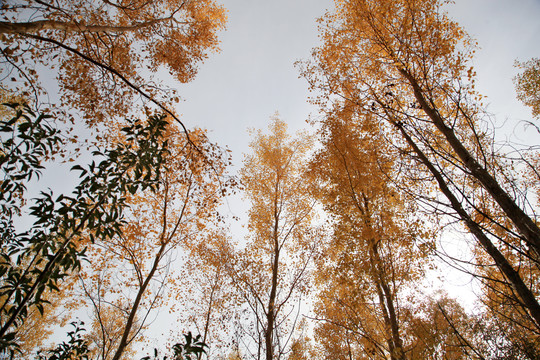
column 192, row 349
column 26, row 142
column 76, row 348
column 36, row 260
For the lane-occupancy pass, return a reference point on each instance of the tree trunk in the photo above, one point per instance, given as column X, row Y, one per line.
column 395, row 344
column 36, row 26
column 524, row 293
column 271, row 312
column 131, row 318
column 526, row 226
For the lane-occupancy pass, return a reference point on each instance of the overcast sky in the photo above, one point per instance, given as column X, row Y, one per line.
column 254, row 75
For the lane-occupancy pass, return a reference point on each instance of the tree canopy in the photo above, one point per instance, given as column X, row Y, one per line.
column 344, row 228
column 105, row 50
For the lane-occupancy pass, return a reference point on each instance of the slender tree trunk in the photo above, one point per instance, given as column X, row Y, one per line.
column 210, row 308
column 384, row 310
column 271, row 312
column 135, row 307
column 33, row 27
column 395, row 344
column 394, row 325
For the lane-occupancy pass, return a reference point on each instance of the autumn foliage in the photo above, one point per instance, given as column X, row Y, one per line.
column 109, row 50
column 344, row 228
column 402, row 67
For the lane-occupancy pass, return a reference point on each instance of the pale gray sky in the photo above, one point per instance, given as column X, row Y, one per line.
column 254, row 75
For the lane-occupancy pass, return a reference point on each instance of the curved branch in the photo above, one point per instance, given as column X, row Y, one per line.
column 116, row 73
column 39, row 25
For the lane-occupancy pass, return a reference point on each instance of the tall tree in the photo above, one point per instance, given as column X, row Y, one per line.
column 131, row 274
column 379, row 245
column 107, row 56
column 270, row 273
column 405, row 64
column 36, row 260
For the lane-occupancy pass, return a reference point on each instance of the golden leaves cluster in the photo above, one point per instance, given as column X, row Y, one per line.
column 136, row 39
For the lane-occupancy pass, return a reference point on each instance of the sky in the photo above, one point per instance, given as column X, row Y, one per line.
column 254, row 74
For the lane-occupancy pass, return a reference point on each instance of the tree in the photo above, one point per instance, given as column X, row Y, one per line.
column 438, row 327
column 75, row 348
column 190, row 350
column 37, row 260
column 107, row 326
column 269, row 274
column 210, row 306
column 35, row 331
column 405, row 64
column 131, row 274
column 528, row 84
column 379, row 246
column 106, row 49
